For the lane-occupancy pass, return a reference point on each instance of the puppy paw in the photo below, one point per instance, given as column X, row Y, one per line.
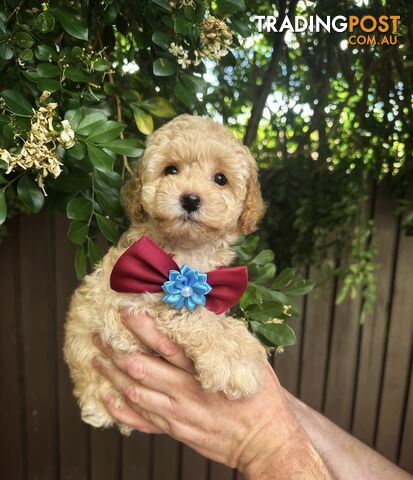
column 95, row 414
column 237, row 376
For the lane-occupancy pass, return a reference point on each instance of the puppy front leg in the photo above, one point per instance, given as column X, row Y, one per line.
column 227, row 357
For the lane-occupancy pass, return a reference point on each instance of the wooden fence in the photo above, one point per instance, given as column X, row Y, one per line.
column 360, row 376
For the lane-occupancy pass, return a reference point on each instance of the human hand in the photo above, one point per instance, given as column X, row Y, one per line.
column 162, row 395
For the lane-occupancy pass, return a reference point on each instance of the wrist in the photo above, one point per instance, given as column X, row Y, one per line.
column 282, row 452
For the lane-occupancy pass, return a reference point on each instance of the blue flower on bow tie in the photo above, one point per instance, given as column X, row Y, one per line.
column 186, row 288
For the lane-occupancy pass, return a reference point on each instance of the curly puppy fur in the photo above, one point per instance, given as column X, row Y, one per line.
column 226, row 356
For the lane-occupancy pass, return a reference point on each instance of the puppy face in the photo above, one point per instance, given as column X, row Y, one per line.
column 196, row 181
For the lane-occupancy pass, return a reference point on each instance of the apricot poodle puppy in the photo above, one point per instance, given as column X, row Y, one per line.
column 194, row 192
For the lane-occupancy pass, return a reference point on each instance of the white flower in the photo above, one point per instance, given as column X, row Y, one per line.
column 67, row 135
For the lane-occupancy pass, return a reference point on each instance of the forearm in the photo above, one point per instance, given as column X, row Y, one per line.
column 345, row 456
column 294, row 459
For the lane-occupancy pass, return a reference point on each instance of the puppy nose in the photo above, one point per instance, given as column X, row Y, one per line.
column 190, row 202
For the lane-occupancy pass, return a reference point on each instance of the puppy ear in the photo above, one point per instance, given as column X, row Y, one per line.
column 254, row 207
column 131, row 196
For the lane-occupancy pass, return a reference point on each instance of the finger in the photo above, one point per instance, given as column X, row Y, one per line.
column 144, row 329
column 152, row 372
column 128, row 416
column 145, row 398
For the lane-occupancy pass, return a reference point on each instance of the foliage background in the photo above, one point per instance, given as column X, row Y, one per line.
column 326, row 122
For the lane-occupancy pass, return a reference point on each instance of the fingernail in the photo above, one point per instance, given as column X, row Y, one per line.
column 123, row 312
column 96, row 363
column 110, row 399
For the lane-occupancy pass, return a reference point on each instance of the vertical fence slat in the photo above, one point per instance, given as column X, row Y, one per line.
column 406, row 450
column 315, row 341
column 194, row 465
column 397, row 367
column 39, row 343
column 220, row 472
column 73, row 434
column 287, row 364
column 105, row 454
column 12, row 452
column 374, row 330
column 165, row 458
column 341, row 372
column 136, row 459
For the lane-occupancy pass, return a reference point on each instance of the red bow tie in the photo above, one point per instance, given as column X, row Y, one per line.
column 145, row 267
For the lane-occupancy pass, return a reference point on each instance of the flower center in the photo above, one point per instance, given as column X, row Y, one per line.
column 186, row 291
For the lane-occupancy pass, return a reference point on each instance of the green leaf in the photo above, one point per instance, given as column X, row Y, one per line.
column 100, row 159
column 3, row 207
column 3, row 30
column 266, row 273
column 26, row 55
column 272, row 295
column 251, row 297
column 49, row 84
column 283, row 279
column 30, row 194
column 77, row 232
column 44, row 22
column 300, row 287
column 80, row 263
column 131, row 147
column 240, row 27
column 265, row 256
column 78, row 151
column 76, row 75
column 163, row 4
column 143, row 120
column 23, row 40
column 70, row 22
column 109, row 202
column 6, row 51
column 106, row 130
column 47, row 70
column 162, row 40
column 182, row 25
column 87, row 125
column 185, row 95
column 232, row 6
column 159, row 106
column 17, row 103
column 266, row 311
column 109, row 228
column 93, row 252
column 100, row 65
column 79, row 208
column 274, row 334
column 45, row 53
column 163, row 67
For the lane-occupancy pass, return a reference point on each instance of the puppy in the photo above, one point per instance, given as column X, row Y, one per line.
column 195, row 191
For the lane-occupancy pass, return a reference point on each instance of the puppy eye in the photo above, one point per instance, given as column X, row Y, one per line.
column 220, row 179
column 171, row 170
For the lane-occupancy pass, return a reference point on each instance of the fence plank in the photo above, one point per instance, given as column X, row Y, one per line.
column 406, row 450
column 106, row 460
column 73, row 433
column 397, row 366
column 165, row 458
column 136, row 461
column 12, row 433
column 315, row 341
column 39, row 341
column 194, row 465
column 374, row 329
column 341, row 370
column 287, row 364
column 220, row 472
